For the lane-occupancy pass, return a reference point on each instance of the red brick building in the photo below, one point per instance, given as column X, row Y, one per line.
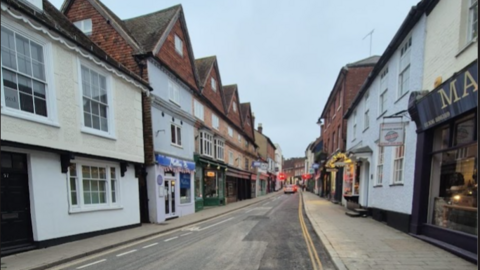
column 334, row 128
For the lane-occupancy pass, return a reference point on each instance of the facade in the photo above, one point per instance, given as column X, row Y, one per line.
column 162, row 55
column 266, row 152
column 379, row 177
column 289, row 170
column 444, row 208
column 71, row 121
column 278, row 166
column 346, row 87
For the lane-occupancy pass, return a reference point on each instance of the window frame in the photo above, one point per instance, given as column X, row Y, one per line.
column 395, row 159
column 230, row 157
column 202, row 143
column 177, row 129
column 198, row 110
column 82, row 26
column 404, row 69
column 383, row 93
column 219, row 145
column 230, row 132
column 213, row 84
column 178, row 42
column 472, row 4
column 215, row 122
column 354, row 125
column 234, row 107
column 366, row 118
column 111, row 134
column 50, row 90
column 81, row 207
column 380, row 163
column 173, row 92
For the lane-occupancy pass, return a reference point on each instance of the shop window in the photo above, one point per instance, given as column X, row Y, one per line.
column 185, row 188
column 198, row 183
column 464, row 132
column 211, row 184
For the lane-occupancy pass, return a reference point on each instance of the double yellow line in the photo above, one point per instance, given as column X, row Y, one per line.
column 316, row 264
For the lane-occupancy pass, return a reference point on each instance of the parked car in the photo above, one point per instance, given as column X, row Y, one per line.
column 290, row 189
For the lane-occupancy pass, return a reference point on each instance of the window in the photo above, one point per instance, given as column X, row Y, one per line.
column 404, row 75
column 178, row 45
column 230, row 131
column 96, row 113
column 239, row 138
column 198, row 109
column 24, row 84
column 235, row 107
column 214, row 84
column 339, row 137
column 215, row 122
column 472, row 20
column 383, row 92
column 85, row 26
column 230, row 157
column 246, row 164
column 366, row 120
column 185, row 188
column 239, row 165
column 398, row 164
column 334, row 138
column 380, row 165
column 354, row 124
column 176, row 132
column 93, row 185
column 206, row 144
column 219, row 149
column 173, row 92
column 339, row 100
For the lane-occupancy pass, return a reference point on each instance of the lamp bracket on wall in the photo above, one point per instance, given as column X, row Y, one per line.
column 158, row 131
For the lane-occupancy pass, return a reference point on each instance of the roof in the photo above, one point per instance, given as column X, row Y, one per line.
column 149, row 28
column 57, row 22
column 410, row 21
column 244, row 109
column 229, row 91
column 203, row 66
column 366, row 62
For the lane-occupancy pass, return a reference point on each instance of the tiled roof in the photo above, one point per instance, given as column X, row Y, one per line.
column 147, row 29
column 57, row 22
column 229, row 91
column 203, row 65
column 372, row 60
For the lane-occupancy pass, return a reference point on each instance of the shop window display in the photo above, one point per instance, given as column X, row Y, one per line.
column 211, row 185
column 453, row 201
column 198, row 183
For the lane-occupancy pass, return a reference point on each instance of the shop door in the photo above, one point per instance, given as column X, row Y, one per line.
column 15, row 210
column 170, row 198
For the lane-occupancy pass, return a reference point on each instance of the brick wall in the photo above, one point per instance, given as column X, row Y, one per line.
column 147, row 130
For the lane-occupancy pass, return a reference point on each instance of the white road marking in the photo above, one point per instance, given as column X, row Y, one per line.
column 186, row 234
column 169, row 239
column 250, row 210
column 90, row 264
column 215, row 224
column 191, row 229
column 150, row 245
column 125, row 253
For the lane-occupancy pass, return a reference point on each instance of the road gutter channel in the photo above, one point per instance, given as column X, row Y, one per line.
column 332, row 253
column 92, row 252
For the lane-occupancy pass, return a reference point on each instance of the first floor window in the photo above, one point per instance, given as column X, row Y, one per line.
column 398, row 164
column 219, row 149
column 230, row 131
column 230, row 157
column 380, row 165
column 176, row 132
column 404, row 81
column 206, row 144
column 185, row 188
column 198, row 109
column 472, row 20
column 383, row 102
column 367, row 119
column 215, row 122
column 95, row 100
column 24, row 83
column 92, row 185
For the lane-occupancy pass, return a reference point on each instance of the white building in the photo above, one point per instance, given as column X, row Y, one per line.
column 71, row 131
column 381, row 178
column 278, row 166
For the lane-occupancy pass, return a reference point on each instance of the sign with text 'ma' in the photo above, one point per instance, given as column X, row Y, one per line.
column 392, row 134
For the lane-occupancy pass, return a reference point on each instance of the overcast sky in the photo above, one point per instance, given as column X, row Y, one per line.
column 284, row 55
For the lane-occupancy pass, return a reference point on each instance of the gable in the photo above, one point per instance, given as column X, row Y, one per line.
column 181, row 65
column 214, row 95
column 233, row 114
column 104, row 34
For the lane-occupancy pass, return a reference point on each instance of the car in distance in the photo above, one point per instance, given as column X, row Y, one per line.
column 289, row 189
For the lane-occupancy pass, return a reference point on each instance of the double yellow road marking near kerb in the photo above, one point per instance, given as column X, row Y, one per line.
column 317, row 265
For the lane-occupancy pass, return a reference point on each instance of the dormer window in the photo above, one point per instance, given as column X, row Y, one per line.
column 178, row 45
column 235, row 107
column 85, row 26
column 214, row 84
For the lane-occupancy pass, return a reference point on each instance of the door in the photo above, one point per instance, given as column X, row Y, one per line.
column 143, row 197
column 170, row 198
column 15, row 210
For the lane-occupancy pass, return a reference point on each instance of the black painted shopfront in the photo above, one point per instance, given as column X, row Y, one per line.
column 444, row 209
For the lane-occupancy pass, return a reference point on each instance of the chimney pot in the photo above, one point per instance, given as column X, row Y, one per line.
column 260, row 128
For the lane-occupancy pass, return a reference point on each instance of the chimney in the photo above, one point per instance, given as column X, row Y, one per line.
column 260, row 128
column 253, row 119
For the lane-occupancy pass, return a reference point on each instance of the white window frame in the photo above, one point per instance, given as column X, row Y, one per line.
column 354, row 125
column 230, row 157
column 175, row 140
column 366, row 119
column 472, row 7
column 230, row 132
column 380, row 162
column 178, row 45
column 239, row 138
column 213, row 83
column 215, row 122
column 83, row 27
column 51, row 100
column 235, row 107
column 173, row 92
column 383, row 93
column 397, row 168
column 109, row 204
column 206, row 143
column 111, row 108
column 198, row 110
column 219, row 145
column 404, row 68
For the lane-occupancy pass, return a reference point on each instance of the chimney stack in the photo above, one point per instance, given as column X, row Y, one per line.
column 260, row 128
column 253, row 119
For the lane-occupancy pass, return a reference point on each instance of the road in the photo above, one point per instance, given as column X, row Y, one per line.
column 275, row 234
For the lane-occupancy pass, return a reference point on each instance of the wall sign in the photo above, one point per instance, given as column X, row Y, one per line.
column 392, row 134
column 210, row 174
column 174, row 163
column 159, row 180
column 185, row 180
column 455, row 96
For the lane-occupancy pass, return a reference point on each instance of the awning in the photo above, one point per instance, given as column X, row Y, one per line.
column 170, row 164
column 212, row 162
column 364, row 152
column 237, row 174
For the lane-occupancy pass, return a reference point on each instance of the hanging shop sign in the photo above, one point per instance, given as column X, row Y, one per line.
column 455, row 96
column 210, row 173
column 173, row 164
column 315, row 166
column 392, row 134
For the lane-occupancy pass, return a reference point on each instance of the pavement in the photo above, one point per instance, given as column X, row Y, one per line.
column 363, row 243
column 49, row 257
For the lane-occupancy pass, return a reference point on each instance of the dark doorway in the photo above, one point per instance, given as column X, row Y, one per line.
column 143, row 196
column 15, row 217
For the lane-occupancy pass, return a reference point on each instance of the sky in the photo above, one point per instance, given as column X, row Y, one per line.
column 284, row 55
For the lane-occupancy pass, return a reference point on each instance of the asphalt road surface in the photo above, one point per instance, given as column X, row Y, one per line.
column 274, row 234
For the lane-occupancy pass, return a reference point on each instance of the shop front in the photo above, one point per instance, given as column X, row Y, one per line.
column 335, row 168
column 444, row 210
column 210, row 184
column 238, row 185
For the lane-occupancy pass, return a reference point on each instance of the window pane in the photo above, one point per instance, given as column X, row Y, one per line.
column 94, row 186
column 85, row 172
column 95, row 122
column 26, row 103
column 172, row 131
column 40, row 107
column 73, row 169
column 23, row 55
column 87, row 198
column 73, row 195
column 112, row 173
column 94, row 171
column 39, row 89
column 464, row 132
column 88, row 119
column 24, row 84
column 179, row 136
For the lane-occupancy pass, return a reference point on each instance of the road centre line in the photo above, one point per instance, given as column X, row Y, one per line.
column 147, row 246
column 186, row 234
column 215, row 224
column 169, row 239
column 90, row 264
column 125, row 253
